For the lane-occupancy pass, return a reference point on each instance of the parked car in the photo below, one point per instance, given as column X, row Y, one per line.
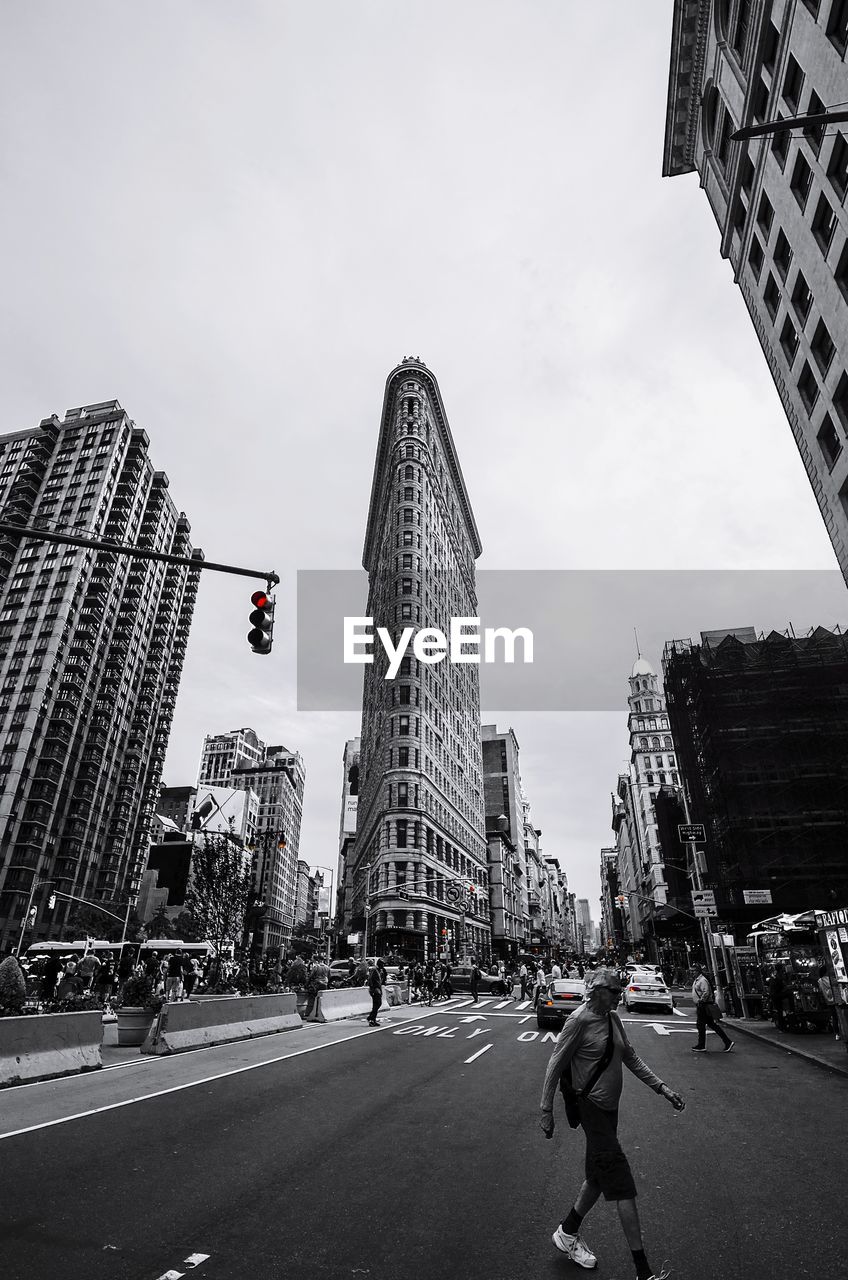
column 338, row 972
column 489, row 984
column 561, row 998
column 646, row 987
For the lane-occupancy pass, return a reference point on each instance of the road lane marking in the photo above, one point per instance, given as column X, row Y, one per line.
column 474, row 1017
column 680, row 1012
column 525, row 1004
column 478, row 1053
column 191, row 1084
column 195, row 1259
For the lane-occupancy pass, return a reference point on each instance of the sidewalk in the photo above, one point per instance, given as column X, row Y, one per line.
column 822, row 1049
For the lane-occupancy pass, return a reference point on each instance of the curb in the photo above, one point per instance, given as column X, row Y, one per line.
column 790, row 1048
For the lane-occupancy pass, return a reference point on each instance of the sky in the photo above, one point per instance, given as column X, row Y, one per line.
column 236, row 219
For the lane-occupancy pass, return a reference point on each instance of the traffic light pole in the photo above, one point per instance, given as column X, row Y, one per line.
column 142, row 553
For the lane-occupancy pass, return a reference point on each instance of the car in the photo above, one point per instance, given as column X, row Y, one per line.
column 339, row 970
column 645, row 987
column 560, row 998
column 488, row 983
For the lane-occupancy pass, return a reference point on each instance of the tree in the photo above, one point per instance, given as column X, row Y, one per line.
column 186, row 928
column 220, row 888
column 159, row 925
column 85, row 921
column 12, row 987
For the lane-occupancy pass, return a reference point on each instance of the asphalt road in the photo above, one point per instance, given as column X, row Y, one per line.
column 413, row 1153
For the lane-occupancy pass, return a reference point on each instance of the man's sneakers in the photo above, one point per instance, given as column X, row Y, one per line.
column 697, row 1049
column 728, row 1047
column 660, row 1275
column 574, row 1248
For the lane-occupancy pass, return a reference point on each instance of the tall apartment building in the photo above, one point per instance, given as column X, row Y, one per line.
column 224, row 752
column 503, row 799
column 278, row 781
column 420, row 824
column 779, row 201
column 91, row 650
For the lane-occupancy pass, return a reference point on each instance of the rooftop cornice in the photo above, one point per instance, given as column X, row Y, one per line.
column 412, row 367
column 690, row 26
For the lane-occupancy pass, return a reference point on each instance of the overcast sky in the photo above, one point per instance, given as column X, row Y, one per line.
column 236, row 218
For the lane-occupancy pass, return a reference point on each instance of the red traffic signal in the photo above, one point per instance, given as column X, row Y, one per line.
column 262, row 622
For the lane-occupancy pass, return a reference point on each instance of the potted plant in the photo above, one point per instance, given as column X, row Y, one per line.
column 139, row 1006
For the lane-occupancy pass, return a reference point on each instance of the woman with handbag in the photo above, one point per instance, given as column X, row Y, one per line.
column 592, row 1047
column 707, row 1012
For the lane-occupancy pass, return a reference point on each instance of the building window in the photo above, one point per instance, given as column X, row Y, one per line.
column 793, row 83
column 765, row 215
column 814, row 133
column 403, row 725
column 403, row 793
column 802, row 299
column 770, row 45
column 405, row 694
column 746, row 175
column 743, row 17
column 824, row 223
column 808, row 388
column 840, row 400
column 802, row 177
column 400, row 828
column 759, row 103
column 813, row 6
column 771, row 295
column 782, row 254
column 755, row 257
column 406, row 584
column 829, row 442
column 837, row 167
column 841, row 272
column 780, row 145
column 837, row 25
column 722, row 148
column 822, row 346
column 789, row 341
column 403, row 757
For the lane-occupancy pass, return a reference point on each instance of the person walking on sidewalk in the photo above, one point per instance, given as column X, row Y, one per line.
column 375, row 987
column 706, row 1011
column 591, row 1049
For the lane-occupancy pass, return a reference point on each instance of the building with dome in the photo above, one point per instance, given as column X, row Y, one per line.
column 641, row 878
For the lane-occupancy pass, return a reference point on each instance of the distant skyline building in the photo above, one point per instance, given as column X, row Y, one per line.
column 779, row 201
column 347, row 843
column 224, row 752
column 279, row 781
column 92, row 645
column 420, row 824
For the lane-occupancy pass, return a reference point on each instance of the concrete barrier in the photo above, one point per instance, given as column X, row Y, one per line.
column 348, row 1002
column 45, row 1045
column 195, row 1024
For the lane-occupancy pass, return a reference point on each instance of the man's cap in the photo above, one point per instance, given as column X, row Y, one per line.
column 603, row 978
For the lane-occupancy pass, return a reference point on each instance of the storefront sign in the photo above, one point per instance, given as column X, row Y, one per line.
column 829, row 919
column 753, row 896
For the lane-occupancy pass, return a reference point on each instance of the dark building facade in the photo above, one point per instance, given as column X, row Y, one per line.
column 420, row 832
column 91, row 651
column 761, row 729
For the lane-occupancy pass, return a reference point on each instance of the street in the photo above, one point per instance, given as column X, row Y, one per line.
column 414, row 1151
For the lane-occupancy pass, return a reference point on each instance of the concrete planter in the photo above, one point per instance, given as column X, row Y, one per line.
column 134, row 1024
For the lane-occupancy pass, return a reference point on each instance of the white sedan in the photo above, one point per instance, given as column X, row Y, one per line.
column 646, row 987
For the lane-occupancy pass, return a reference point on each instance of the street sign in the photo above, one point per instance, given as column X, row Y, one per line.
column 453, row 893
column 690, row 831
column 703, row 898
column 752, row 896
column 705, row 913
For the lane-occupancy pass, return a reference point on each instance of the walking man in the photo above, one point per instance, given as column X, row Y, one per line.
column 702, row 994
column 593, row 1045
column 523, row 978
column 375, row 988
column 475, row 979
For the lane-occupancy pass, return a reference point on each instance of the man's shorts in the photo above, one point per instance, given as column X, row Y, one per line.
column 606, row 1164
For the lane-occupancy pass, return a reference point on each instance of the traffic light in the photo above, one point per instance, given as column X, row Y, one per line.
column 33, row 912
column 262, row 622
column 51, row 901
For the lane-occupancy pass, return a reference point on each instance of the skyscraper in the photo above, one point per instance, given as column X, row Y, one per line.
column 779, row 202
column 420, row 839
column 91, row 650
column 223, row 752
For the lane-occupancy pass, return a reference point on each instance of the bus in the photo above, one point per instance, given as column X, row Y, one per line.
column 126, row 954
column 791, row 942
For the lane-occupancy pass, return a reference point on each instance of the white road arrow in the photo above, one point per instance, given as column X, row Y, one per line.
column 475, row 1017
column 662, row 1030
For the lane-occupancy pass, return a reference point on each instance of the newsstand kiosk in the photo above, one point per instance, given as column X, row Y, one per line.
column 832, row 928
